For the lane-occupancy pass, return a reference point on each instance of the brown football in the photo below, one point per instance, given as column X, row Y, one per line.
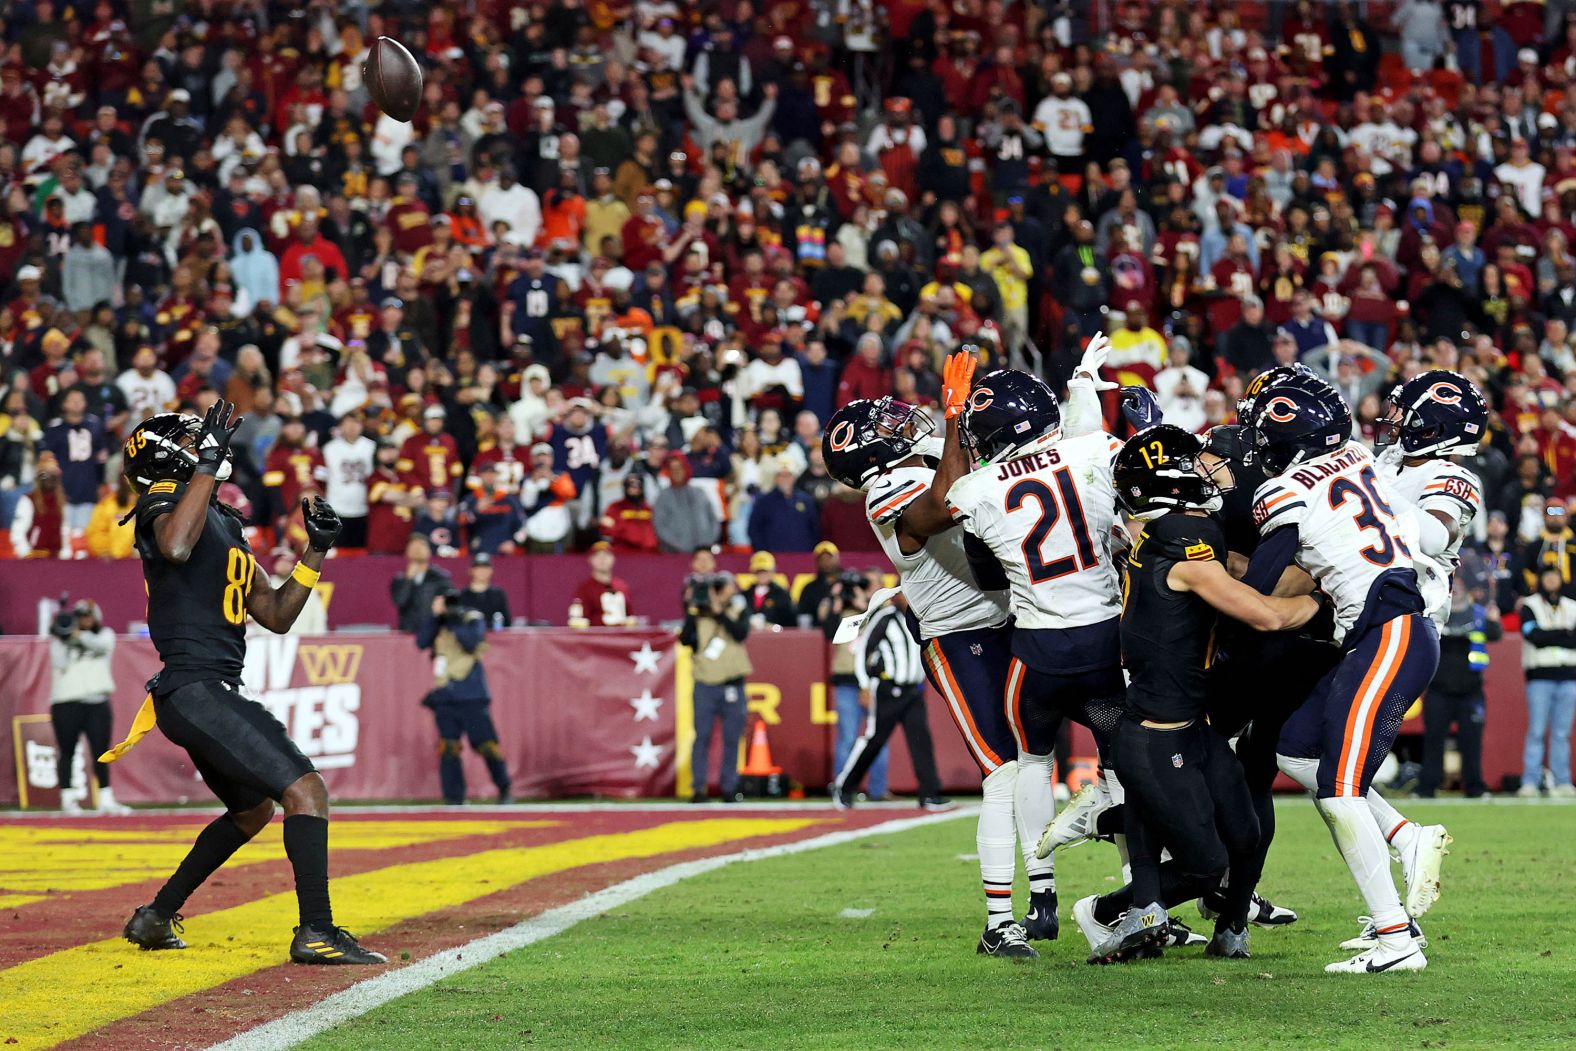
column 393, row 78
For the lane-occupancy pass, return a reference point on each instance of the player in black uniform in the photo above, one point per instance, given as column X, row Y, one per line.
column 202, row 584
column 1185, row 790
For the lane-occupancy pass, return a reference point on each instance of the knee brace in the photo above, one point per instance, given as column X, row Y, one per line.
column 490, row 750
column 449, row 747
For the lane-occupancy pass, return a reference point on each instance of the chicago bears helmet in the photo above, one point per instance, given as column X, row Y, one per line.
column 1158, row 471
column 1291, row 424
column 1295, row 374
column 867, row 436
column 1435, row 413
column 155, row 451
column 1007, row 412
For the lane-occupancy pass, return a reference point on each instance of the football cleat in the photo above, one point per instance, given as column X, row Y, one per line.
column 1139, row 929
column 842, row 798
column 108, row 804
column 71, row 800
column 933, row 804
column 1008, row 940
column 1261, row 911
column 1040, row 923
column 1228, row 944
column 148, row 930
column 1077, row 821
column 333, row 946
column 1369, row 937
column 1421, row 861
column 1083, row 914
column 1179, row 934
column 1380, row 959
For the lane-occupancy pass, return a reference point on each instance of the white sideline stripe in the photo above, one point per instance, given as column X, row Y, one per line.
column 362, row 997
column 856, row 914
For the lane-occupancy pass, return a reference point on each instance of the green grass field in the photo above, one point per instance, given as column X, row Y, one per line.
column 757, row 955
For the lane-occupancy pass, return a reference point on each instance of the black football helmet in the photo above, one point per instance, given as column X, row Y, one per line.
column 1006, row 412
column 1158, row 471
column 1291, row 424
column 866, row 437
column 1435, row 413
column 155, row 452
column 1296, row 374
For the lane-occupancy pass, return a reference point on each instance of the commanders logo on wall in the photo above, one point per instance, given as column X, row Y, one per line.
column 312, row 688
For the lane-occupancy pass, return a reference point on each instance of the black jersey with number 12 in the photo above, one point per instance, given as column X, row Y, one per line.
column 1168, row 636
column 196, row 608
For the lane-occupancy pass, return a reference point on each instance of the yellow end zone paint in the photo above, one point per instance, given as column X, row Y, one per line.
column 66, row 857
column 72, row 992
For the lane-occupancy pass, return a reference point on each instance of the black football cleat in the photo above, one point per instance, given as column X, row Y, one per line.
column 1040, row 923
column 335, row 945
column 1008, row 941
column 1180, row 934
column 148, row 930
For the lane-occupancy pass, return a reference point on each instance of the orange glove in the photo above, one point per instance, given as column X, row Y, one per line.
column 957, row 380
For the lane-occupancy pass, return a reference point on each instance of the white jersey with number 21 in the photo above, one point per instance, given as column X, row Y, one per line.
column 1048, row 517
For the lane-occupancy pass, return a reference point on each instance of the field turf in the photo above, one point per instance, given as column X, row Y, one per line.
column 762, row 955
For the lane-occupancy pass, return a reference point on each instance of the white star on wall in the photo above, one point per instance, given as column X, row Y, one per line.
column 646, row 706
column 647, row 755
column 645, row 659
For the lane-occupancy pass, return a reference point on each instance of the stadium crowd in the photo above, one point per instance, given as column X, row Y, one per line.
column 629, row 257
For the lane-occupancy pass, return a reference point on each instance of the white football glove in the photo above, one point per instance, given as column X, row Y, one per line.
column 1093, row 361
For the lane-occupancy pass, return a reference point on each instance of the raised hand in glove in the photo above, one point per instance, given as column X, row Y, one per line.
column 1141, row 407
column 1093, row 361
column 321, row 521
column 213, row 440
column 957, row 380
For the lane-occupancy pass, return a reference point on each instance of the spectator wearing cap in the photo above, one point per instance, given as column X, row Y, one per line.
column 546, row 495
column 395, row 344
column 770, row 604
column 682, row 515
column 1548, row 657
column 578, row 441
column 628, row 523
column 784, row 518
column 1065, row 120
column 531, row 301
column 439, row 521
column 430, row 459
column 391, row 503
column 606, row 212
column 174, row 126
column 483, row 596
column 491, row 513
column 602, row 598
column 1080, row 282
column 408, row 215
column 348, row 463
column 1553, row 548
column 38, row 525
column 1009, row 143
column 828, row 570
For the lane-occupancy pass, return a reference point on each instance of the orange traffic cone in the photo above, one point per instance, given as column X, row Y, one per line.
column 758, row 761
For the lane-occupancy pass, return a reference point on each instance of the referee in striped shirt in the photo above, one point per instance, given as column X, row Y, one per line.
column 892, row 691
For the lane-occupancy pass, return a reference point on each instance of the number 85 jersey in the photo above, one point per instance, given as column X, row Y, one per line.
column 1047, row 516
column 1352, row 534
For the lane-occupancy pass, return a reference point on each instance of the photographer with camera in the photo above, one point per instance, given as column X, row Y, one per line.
column 80, row 648
column 716, row 623
column 460, row 699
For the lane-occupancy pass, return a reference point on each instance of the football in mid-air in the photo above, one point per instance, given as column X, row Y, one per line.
column 393, row 78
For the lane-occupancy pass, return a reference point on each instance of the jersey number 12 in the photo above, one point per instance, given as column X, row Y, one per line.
column 1051, row 510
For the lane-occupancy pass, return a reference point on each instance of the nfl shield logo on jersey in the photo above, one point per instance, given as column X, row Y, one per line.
column 976, row 649
column 1176, row 760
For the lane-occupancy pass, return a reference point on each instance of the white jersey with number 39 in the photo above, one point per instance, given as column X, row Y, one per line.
column 1048, row 517
column 1437, row 486
column 1351, row 528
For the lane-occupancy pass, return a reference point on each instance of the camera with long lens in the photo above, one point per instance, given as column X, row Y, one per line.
column 698, row 589
column 64, row 624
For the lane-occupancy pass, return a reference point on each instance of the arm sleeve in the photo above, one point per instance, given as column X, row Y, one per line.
column 426, row 631
column 1275, row 553
column 736, row 623
column 987, row 569
column 1081, row 415
column 690, row 632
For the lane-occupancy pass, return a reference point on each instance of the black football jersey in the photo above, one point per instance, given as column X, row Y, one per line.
column 1168, row 637
column 1236, row 513
column 196, row 609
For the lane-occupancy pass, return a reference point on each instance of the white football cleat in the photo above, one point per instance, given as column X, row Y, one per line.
column 1095, row 931
column 1076, row 822
column 1381, row 959
column 1369, row 937
column 1420, row 865
column 71, row 801
column 108, row 804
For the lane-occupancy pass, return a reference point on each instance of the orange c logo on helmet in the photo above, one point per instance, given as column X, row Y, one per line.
column 1275, row 411
column 1444, row 392
column 981, row 399
column 842, row 435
